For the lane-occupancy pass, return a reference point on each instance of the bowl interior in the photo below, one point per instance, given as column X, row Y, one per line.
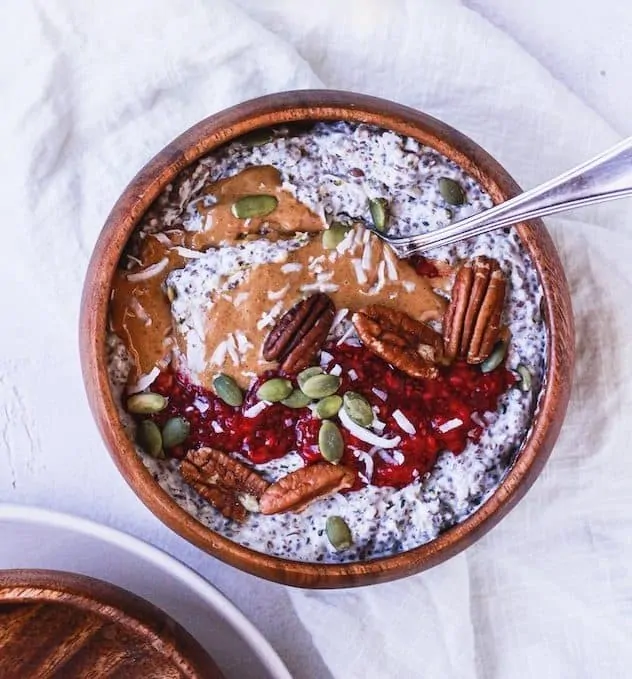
column 299, row 107
column 58, row 622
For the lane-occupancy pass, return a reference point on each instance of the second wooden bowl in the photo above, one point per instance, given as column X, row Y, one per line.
column 57, row 625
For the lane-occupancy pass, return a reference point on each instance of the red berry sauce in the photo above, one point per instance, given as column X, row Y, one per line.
column 460, row 391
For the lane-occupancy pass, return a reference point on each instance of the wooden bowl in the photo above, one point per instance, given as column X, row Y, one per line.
column 328, row 106
column 55, row 624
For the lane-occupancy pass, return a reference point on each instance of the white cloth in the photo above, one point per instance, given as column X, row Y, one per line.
column 91, row 90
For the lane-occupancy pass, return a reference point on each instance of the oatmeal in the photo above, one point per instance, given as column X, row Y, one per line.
column 295, row 386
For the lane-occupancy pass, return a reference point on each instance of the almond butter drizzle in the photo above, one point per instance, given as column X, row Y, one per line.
column 140, row 313
column 225, row 316
column 222, row 226
column 147, row 329
column 147, row 334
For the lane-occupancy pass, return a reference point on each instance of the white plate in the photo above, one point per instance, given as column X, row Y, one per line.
column 37, row 538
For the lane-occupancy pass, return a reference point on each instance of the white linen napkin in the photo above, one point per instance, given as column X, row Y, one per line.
column 92, row 90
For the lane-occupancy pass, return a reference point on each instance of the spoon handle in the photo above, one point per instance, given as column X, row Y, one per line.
column 608, row 176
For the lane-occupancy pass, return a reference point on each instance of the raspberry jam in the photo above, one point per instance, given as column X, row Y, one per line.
column 454, row 398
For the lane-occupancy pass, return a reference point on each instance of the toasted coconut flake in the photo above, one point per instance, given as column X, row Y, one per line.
column 149, row 272
column 291, row 267
column 325, row 357
column 387, row 457
column 268, row 318
column 163, row 239
column 278, row 294
column 346, row 335
column 144, row 381
column 325, row 277
column 320, row 287
column 187, row 253
column 256, row 409
column 359, row 271
column 242, row 342
column 338, row 318
column 231, row 348
column 315, row 262
column 450, row 425
column 367, row 460
column 404, row 423
column 399, row 458
column 381, row 279
column 346, row 243
column 139, row 311
column 366, row 257
column 219, row 355
column 364, row 434
column 391, row 265
column 382, row 395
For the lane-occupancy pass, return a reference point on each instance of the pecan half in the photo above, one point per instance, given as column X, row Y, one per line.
column 224, row 501
column 471, row 325
column 409, row 345
column 221, row 480
column 304, row 486
column 300, row 333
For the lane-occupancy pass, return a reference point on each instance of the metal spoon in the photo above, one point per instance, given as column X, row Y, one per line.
column 608, row 176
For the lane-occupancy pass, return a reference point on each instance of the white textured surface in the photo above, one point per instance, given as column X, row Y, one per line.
column 92, row 90
column 44, row 539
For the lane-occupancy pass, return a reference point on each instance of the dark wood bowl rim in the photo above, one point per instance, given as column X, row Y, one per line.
column 324, row 105
column 135, row 615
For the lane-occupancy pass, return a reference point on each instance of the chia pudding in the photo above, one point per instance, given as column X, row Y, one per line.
column 259, row 327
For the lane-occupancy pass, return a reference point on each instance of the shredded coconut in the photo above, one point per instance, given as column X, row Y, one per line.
column 404, row 423
column 359, row 271
column 450, row 425
column 278, row 294
column 149, row 272
column 291, row 267
column 256, row 409
column 364, row 434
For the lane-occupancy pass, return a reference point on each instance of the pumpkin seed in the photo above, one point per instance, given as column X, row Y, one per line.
column 328, row 407
column 171, row 293
column 149, row 438
column 330, row 442
column 258, row 205
column 146, row 404
column 228, row 390
column 274, row 390
column 526, row 378
column 334, row 235
column 320, row 386
column 304, row 375
column 175, row 431
column 257, row 138
column 495, row 358
column 378, row 207
column 296, row 399
column 452, row 192
column 338, row 533
column 358, row 408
